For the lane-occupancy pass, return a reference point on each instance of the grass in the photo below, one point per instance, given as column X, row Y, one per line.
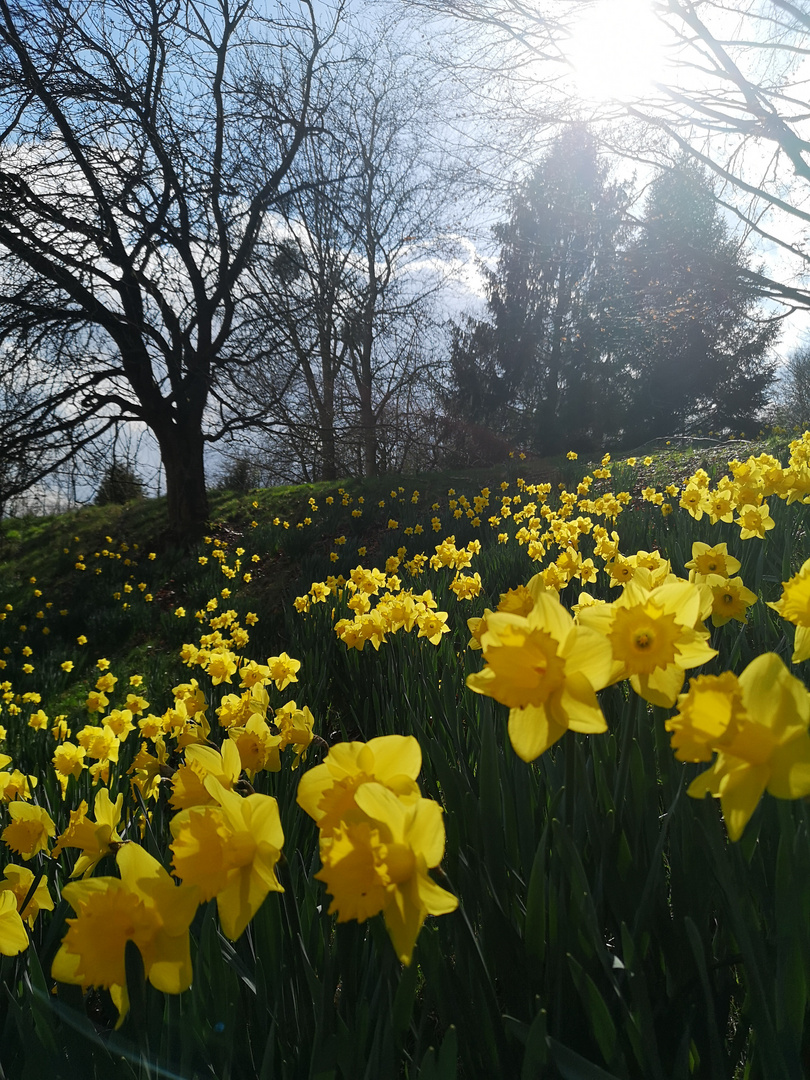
column 606, row 927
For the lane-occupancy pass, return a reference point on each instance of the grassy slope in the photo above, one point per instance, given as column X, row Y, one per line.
column 116, row 543
column 144, row 637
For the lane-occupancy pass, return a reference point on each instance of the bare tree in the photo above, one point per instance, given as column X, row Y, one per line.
column 347, row 274
column 790, row 407
column 737, row 103
column 39, row 429
column 143, row 144
column 733, row 96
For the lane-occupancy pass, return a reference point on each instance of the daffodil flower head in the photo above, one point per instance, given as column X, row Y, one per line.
column 655, row 635
column 144, row 906
column 769, row 749
column 709, row 714
column 380, row 861
column 16, row 785
column 95, row 839
column 230, row 851
column 754, row 520
column 327, row 792
column 13, row 938
column 18, row 881
column 794, row 606
column 188, row 783
column 283, row 670
column 694, row 499
column 730, row 598
column 100, row 743
column 621, row 570
column 257, row 746
column 432, row 625
column 295, row 728
column 30, row 829
column 68, row 760
column 221, row 665
column 712, row 560
column 520, row 600
column 547, row 670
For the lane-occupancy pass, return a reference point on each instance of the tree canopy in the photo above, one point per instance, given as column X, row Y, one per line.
column 142, row 147
column 603, row 331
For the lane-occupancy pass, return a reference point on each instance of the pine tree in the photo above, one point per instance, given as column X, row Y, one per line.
column 600, row 334
column 539, row 368
column 694, row 338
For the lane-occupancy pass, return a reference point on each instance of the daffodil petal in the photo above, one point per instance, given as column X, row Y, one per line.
column 532, row 731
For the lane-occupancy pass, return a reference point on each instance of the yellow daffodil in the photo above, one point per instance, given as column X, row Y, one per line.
column 378, row 861
column 100, row 743
column 13, row 938
column 188, row 783
column 466, row 586
column 432, row 625
column 712, row 560
column 95, row 839
column 730, row 598
column 16, row 785
column 295, row 727
column 120, row 723
column 794, row 606
column 708, row 713
column 18, row 880
column 283, row 670
column 694, row 499
column 144, row 906
column 768, row 748
column 230, row 851
column 547, row 670
column 221, row 665
column 255, row 743
column 327, row 792
column 30, row 829
column 147, row 770
column 652, row 633
column 754, row 521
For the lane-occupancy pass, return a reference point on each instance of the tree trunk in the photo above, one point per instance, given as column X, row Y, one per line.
column 369, row 432
column 368, row 421
column 182, row 454
column 327, row 423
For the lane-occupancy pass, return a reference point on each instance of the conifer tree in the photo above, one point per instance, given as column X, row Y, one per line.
column 694, row 336
column 538, row 369
column 600, row 333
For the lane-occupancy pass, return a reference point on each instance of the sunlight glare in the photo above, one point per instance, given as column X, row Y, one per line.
column 616, row 50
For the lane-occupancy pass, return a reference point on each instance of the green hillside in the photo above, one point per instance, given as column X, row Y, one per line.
column 524, row 791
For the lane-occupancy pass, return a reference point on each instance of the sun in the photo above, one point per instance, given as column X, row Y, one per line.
column 616, row 50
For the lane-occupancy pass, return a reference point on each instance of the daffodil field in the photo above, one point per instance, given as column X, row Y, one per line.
column 500, row 780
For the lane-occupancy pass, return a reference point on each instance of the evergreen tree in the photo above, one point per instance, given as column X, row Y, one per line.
column 539, row 369
column 688, row 322
column 119, row 484
column 596, row 333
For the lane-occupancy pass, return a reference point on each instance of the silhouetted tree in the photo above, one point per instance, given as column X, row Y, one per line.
column 791, row 400
column 143, row 146
column 120, row 484
column 688, row 319
column 346, row 276
column 540, row 368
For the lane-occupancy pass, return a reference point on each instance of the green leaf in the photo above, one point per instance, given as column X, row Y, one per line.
column 445, row 1065
column 535, row 926
column 136, row 988
column 599, row 1018
column 536, row 1055
column 719, row 1065
column 573, row 1066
